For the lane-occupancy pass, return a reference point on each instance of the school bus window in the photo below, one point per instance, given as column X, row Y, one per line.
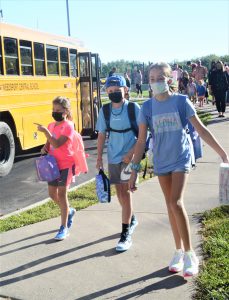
column 26, row 58
column 93, row 66
column 64, row 61
column 11, row 56
column 73, row 65
column 1, row 65
column 52, row 59
column 39, row 57
column 84, row 66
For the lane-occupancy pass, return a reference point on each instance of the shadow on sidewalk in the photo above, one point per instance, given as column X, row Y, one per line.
column 170, row 282
column 27, row 238
column 106, row 253
column 218, row 120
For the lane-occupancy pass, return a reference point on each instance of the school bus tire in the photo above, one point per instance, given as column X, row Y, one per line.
column 7, row 149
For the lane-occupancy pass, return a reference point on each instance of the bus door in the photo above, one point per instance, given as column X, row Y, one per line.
column 96, row 69
column 86, row 90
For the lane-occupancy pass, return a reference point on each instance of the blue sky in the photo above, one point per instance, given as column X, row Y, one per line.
column 144, row 30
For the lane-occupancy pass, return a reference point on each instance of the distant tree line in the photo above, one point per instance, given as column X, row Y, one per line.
column 130, row 67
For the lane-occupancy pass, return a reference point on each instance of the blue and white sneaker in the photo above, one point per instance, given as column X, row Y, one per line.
column 71, row 214
column 124, row 243
column 62, row 233
column 133, row 224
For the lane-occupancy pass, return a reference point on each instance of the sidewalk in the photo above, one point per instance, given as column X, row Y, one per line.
column 86, row 266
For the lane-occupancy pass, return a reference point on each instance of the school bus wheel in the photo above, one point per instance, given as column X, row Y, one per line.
column 7, row 149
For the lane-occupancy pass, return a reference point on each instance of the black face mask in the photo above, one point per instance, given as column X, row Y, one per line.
column 115, row 97
column 57, row 116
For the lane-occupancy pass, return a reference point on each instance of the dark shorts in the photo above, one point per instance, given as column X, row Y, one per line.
column 65, row 178
column 115, row 171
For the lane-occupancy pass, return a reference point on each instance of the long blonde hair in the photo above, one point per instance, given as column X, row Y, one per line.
column 65, row 103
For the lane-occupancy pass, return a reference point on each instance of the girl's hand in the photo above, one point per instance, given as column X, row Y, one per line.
column 132, row 181
column 44, row 150
column 225, row 159
column 40, row 127
column 99, row 164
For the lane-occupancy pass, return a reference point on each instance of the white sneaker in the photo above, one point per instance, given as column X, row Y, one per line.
column 177, row 262
column 124, row 242
column 191, row 264
column 133, row 224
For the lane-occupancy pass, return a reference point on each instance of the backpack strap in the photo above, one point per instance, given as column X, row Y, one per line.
column 147, row 111
column 131, row 115
column 132, row 118
column 107, row 114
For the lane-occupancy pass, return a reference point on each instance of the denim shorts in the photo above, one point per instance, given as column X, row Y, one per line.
column 181, row 170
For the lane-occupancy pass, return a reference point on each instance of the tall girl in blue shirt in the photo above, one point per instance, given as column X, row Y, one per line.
column 166, row 114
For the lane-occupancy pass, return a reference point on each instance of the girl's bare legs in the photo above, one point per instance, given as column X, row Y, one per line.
column 64, row 205
column 166, row 186
column 125, row 201
column 173, row 188
column 53, row 194
column 59, row 196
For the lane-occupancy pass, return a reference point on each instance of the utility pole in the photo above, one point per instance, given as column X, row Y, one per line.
column 68, row 18
column 1, row 14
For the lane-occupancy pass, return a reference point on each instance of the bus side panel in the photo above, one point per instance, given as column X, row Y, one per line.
column 30, row 100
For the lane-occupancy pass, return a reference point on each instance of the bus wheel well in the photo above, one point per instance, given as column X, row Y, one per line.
column 8, row 119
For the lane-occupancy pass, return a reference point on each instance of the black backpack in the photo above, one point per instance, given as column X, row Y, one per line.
column 131, row 115
column 132, row 119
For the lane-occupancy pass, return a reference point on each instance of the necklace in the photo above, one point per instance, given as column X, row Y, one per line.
column 119, row 112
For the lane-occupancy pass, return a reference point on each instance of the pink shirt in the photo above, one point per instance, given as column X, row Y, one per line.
column 63, row 154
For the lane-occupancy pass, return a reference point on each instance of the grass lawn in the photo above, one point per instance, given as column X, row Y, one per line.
column 213, row 281
column 81, row 198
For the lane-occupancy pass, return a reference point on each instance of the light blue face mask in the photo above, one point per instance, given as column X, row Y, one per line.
column 159, row 87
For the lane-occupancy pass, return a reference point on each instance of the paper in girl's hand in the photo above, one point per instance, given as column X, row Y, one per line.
column 224, row 184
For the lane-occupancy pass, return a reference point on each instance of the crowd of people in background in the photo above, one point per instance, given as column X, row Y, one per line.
column 193, row 80
column 198, row 82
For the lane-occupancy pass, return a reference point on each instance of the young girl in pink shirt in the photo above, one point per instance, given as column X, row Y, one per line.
column 60, row 137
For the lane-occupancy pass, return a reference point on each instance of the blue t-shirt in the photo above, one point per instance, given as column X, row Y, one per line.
column 119, row 144
column 167, row 120
column 201, row 90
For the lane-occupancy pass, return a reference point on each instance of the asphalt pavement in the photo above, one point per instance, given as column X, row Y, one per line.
column 21, row 187
column 86, row 266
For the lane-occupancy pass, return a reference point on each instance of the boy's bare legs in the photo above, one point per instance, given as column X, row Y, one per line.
column 125, row 201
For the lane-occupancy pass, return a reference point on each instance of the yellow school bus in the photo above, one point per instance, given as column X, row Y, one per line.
column 35, row 67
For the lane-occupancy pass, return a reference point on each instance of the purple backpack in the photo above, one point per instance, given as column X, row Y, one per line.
column 47, row 168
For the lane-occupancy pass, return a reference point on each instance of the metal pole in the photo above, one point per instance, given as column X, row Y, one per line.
column 68, row 18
